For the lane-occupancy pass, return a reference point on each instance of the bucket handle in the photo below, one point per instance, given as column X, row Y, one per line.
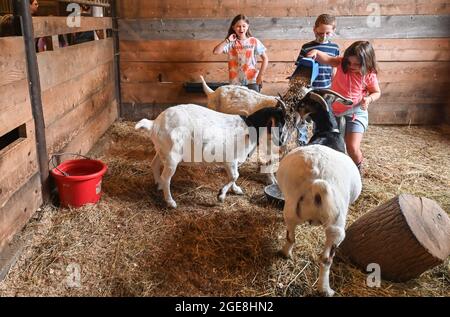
column 61, row 154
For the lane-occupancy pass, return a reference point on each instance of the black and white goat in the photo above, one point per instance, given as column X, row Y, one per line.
column 319, row 181
column 181, row 132
column 317, row 106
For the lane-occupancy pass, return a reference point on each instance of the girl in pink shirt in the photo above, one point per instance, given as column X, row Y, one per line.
column 356, row 78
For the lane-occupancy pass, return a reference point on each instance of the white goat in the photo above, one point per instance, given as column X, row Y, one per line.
column 181, row 132
column 233, row 99
column 318, row 184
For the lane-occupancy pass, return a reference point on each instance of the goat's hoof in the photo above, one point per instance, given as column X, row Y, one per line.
column 284, row 255
column 327, row 292
column 172, row 204
column 221, row 198
column 237, row 190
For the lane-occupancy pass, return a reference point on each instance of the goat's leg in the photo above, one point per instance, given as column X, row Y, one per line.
column 334, row 236
column 166, row 176
column 286, row 252
column 232, row 171
column 156, row 168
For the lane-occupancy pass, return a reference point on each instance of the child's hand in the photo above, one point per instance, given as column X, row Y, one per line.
column 232, row 37
column 312, row 54
column 365, row 102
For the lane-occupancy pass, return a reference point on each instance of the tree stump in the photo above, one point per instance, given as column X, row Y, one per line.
column 406, row 236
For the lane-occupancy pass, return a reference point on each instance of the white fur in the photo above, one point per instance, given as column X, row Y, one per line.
column 331, row 175
column 174, row 127
column 233, row 99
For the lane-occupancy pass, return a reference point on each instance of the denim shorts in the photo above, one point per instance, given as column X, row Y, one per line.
column 356, row 120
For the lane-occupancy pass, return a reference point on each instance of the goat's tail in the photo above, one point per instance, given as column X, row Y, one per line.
column 144, row 123
column 323, row 196
column 208, row 91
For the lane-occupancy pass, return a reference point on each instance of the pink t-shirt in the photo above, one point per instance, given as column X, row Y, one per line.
column 351, row 85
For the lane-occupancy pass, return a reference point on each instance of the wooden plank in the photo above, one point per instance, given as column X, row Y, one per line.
column 142, row 72
column 279, row 8
column 397, row 113
column 19, row 209
column 279, row 50
column 60, row 99
column 382, row 113
column 56, row 67
column 18, row 162
column 286, row 28
column 15, row 107
column 12, row 60
column 93, row 130
column 66, row 128
column 48, row 26
column 174, row 93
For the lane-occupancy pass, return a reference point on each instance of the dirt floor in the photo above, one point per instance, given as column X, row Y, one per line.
column 130, row 244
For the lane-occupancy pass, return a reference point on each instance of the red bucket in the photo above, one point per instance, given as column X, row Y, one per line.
column 79, row 181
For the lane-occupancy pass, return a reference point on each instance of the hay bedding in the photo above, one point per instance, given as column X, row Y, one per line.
column 131, row 245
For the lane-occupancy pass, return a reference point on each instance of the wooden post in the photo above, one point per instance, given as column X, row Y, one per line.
column 22, row 6
column 115, row 35
column 405, row 236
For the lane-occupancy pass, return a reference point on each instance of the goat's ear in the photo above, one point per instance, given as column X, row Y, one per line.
column 333, row 96
column 318, row 98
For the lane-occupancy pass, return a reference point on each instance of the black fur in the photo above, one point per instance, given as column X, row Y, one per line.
column 263, row 118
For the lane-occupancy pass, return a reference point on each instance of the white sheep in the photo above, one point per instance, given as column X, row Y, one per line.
column 233, row 99
column 318, row 184
column 178, row 132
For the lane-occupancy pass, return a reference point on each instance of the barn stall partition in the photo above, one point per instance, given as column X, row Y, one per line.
column 165, row 44
column 73, row 92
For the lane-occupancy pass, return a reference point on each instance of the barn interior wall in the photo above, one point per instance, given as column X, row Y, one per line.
column 165, row 44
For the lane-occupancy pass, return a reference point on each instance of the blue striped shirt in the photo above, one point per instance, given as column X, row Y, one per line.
column 323, row 80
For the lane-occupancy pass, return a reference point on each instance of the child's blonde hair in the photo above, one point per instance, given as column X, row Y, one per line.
column 236, row 19
column 326, row 19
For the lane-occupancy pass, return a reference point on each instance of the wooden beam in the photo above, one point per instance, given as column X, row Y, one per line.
column 279, row 8
column 143, row 72
column 279, row 50
column 48, row 26
column 287, row 28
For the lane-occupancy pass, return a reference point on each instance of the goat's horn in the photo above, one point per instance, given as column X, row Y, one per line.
column 345, row 101
column 318, row 98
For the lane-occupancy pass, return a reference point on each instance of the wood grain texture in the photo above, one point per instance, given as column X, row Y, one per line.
column 48, row 26
column 57, row 101
column 18, row 162
column 279, row 8
column 19, row 209
column 279, row 50
column 286, row 28
column 57, row 67
column 12, row 60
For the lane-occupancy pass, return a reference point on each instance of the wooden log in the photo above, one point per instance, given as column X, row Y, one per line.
column 405, row 236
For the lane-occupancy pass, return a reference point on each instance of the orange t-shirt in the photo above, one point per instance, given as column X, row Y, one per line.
column 351, row 85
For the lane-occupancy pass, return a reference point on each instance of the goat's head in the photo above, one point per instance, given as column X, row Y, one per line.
column 318, row 100
column 273, row 119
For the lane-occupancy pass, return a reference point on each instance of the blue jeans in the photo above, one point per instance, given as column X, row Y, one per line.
column 302, row 134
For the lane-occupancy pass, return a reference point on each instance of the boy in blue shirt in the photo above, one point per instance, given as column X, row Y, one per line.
column 324, row 28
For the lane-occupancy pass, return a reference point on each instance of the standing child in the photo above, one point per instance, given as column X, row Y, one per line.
column 324, row 29
column 242, row 49
column 356, row 78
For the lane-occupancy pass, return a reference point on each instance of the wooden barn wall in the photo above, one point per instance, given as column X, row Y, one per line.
column 77, row 84
column 79, row 104
column 164, row 44
column 19, row 168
